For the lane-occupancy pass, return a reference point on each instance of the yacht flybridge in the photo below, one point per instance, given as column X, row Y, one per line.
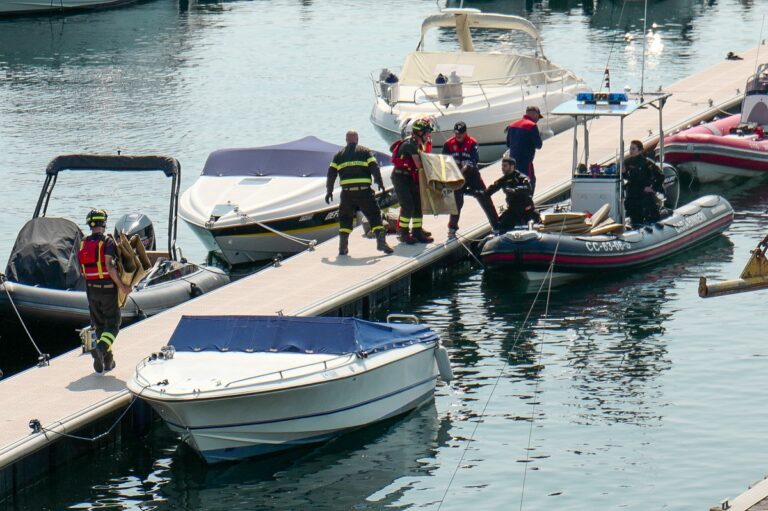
column 485, row 89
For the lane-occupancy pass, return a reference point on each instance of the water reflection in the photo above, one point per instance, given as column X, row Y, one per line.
column 348, row 473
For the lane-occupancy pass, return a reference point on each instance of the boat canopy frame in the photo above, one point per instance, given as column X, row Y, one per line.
column 462, row 20
column 582, row 112
column 116, row 163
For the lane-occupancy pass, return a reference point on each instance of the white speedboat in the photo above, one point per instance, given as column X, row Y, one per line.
column 241, row 386
column 251, row 204
column 487, row 90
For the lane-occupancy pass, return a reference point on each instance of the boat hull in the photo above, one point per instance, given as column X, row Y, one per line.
column 245, row 239
column 526, row 251
column 70, row 307
column 230, row 428
column 710, row 153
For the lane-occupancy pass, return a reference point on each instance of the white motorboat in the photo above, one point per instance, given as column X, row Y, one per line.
column 251, row 204
column 487, row 90
column 241, row 386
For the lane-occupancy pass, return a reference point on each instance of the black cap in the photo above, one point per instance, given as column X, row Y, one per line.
column 460, row 127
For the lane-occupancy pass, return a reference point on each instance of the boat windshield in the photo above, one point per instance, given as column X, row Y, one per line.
column 758, row 83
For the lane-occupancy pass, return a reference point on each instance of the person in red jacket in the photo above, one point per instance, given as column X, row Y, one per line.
column 523, row 138
column 97, row 265
column 464, row 150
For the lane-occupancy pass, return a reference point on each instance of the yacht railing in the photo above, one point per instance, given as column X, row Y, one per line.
column 271, row 377
column 429, row 91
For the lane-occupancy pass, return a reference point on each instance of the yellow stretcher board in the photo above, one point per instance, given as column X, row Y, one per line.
column 439, row 178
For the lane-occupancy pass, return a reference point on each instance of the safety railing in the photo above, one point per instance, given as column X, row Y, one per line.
column 271, row 377
column 427, row 93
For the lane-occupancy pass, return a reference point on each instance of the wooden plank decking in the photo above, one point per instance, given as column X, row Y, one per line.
column 68, row 395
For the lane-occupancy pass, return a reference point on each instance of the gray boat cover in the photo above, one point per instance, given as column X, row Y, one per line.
column 45, row 254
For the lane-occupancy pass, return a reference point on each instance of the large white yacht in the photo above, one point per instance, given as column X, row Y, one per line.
column 485, row 89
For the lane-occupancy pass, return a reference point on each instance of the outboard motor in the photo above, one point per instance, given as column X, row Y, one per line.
column 671, row 186
column 137, row 223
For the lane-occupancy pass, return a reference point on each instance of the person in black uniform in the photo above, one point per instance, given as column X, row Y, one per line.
column 357, row 169
column 405, row 180
column 98, row 267
column 644, row 180
column 517, row 187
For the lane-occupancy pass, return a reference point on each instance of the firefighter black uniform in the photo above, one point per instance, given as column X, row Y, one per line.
column 96, row 255
column 405, row 180
column 519, row 194
column 357, row 169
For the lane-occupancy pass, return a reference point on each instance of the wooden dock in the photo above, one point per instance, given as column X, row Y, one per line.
column 67, row 397
column 754, row 499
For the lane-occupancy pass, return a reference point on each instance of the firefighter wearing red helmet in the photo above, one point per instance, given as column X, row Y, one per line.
column 405, row 180
column 97, row 265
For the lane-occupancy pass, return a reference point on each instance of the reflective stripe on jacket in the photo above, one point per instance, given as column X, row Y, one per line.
column 93, row 261
column 355, row 165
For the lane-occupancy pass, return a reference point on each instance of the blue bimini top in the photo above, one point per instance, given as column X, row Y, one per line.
column 307, row 157
column 326, row 335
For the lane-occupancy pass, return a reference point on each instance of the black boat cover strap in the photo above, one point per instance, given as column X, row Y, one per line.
column 45, row 254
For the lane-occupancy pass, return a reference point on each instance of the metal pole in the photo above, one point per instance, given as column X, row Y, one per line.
column 575, row 145
column 620, row 167
column 661, row 132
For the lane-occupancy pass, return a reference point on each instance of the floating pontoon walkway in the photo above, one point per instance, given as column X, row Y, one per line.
column 754, row 499
column 68, row 397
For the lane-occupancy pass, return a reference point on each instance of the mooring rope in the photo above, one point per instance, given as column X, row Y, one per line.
column 39, row 428
column 43, row 359
column 547, row 278
column 301, row 241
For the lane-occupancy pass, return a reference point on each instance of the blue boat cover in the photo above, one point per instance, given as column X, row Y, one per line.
column 307, row 157
column 325, row 335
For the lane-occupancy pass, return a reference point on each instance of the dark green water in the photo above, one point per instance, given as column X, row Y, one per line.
column 625, row 392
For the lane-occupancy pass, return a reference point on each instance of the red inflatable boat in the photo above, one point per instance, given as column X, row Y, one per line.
column 734, row 146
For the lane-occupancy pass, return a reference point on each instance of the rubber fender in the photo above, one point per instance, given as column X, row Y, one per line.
column 443, row 364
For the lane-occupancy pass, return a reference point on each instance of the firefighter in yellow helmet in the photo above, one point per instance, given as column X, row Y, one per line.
column 357, row 169
column 97, row 265
column 405, row 179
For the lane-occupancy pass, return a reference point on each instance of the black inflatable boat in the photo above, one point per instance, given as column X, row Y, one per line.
column 42, row 279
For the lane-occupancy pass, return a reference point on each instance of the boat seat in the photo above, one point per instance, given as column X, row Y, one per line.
column 708, row 201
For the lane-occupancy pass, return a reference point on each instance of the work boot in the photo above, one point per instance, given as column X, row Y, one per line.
column 98, row 357
column 421, row 237
column 404, row 236
column 344, row 243
column 109, row 361
column 381, row 242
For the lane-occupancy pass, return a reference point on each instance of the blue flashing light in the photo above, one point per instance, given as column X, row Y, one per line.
column 592, row 98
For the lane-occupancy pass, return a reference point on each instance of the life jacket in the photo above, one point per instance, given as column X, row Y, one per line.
column 93, row 262
column 407, row 162
column 461, row 152
column 398, row 161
